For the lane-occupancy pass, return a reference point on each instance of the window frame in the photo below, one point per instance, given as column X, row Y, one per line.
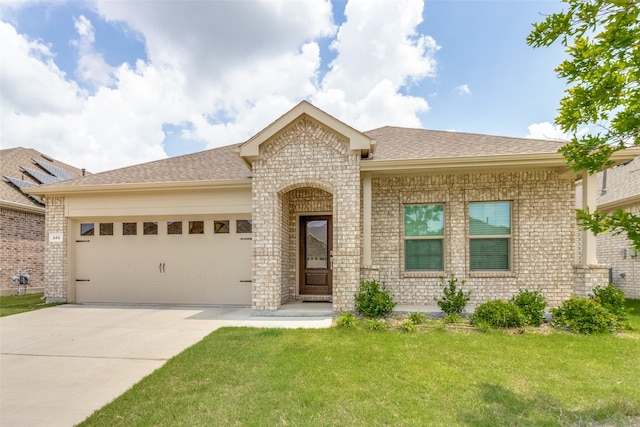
column 442, row 238
column 509, row 237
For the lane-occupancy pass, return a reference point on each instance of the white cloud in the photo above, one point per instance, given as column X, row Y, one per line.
column 463, row 89
column 224, row 69
column 546, row 130
column 92, row 68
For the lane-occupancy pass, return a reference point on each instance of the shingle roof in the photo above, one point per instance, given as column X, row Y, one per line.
column 392, row 143
column 209, row 165
column 16, row 163
column 396, row 143
column 623, row 181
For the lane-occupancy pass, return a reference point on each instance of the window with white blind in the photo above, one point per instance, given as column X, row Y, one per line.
column 424, row 237
column 490, row 236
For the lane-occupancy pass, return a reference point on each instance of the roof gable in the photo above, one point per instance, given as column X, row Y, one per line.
column 250, row 150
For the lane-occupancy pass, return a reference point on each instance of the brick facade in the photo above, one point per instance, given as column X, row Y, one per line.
column 23, row 243
column 56, row 255
column 543, row 223
column 616, row 250
column 305, row 169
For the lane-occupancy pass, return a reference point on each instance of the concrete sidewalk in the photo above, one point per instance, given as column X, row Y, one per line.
column 60, row 364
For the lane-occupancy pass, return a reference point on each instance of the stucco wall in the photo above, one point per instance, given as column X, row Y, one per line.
column 22, row 235
column 543, row 233
column 306, row 155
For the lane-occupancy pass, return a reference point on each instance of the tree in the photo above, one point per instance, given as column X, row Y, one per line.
column 602, row 40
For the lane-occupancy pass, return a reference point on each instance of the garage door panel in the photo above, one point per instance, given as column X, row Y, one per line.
column 172, row 269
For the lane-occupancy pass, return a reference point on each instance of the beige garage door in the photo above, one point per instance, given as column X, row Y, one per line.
column 178, row 261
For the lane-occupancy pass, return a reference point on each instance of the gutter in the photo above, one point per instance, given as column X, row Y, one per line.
column 52, row 189
column 5, row 204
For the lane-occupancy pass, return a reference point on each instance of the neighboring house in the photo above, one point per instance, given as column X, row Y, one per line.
column 22, row 216
column 309, row 207
column 619, row 187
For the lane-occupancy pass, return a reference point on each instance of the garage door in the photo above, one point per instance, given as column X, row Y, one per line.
column 178, row 261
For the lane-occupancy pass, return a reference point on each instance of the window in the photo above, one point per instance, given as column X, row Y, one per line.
column 196, row 227
column 243, row 226
column 129, row 228
column 106, row 229
column 86, row 229
column 174, row 227
column 490, row 236
column 221, row 227
column 424, row 237
column 149, row 228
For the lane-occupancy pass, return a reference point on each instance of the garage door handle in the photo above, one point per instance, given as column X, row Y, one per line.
column 83, row 280
column 246, row 281
column 161, row 267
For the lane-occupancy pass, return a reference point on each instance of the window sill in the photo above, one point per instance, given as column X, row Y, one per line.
column 421, row 274
column 498, row 274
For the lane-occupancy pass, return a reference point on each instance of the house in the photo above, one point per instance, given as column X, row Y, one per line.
column 22, row 216
column 619, row 187
column 309, row 207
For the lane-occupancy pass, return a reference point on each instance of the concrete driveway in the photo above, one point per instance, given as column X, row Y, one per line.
column 60, row 364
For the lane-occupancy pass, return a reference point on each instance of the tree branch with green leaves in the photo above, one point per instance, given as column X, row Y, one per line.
column 602, row 40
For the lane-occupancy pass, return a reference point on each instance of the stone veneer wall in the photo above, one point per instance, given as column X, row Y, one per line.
column 56, row 257
column 625, row 265
column 543, row 233
column 304, row 155
column 23, row 241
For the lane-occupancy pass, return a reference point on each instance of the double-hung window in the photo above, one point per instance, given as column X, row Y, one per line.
column 424, row 237
column 490, row 236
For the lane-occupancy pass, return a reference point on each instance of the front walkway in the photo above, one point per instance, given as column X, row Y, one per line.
column 60, row 364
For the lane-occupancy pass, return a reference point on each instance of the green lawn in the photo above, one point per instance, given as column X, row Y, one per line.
column 14, row 304
column 349, row 377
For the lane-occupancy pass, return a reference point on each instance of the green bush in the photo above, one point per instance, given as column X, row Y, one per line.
column 417, row 317
column 498, row 314
column 374, row 300
column 346, row 319
column 583, row 315
column 612, row 300
column 454, row 300
column 375, row 324
column 532, row 305
column 408, row 326
column 452, row 318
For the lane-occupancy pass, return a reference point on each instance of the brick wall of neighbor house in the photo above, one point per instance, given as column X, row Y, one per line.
column 625, row 262
column 22, row 235
column 543, row 233
column 56, row 257
column 306, row 163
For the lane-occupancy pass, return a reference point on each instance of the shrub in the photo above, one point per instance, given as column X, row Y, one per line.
column 583, row 315
column 374, row 300
column 452, row 318
column 498, row 314
column 408, row 326
column 532, row 305
column 417, row 318
column 375, row 324
column 346, row 319
column 454, row 300
column 612, row 300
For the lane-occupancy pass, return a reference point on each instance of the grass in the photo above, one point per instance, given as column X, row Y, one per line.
column 14, row 304
column 355, row 377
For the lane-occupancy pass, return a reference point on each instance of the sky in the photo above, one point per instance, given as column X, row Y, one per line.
column 106, row 84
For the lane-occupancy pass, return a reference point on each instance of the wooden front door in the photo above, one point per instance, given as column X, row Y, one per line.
column 315, row 255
